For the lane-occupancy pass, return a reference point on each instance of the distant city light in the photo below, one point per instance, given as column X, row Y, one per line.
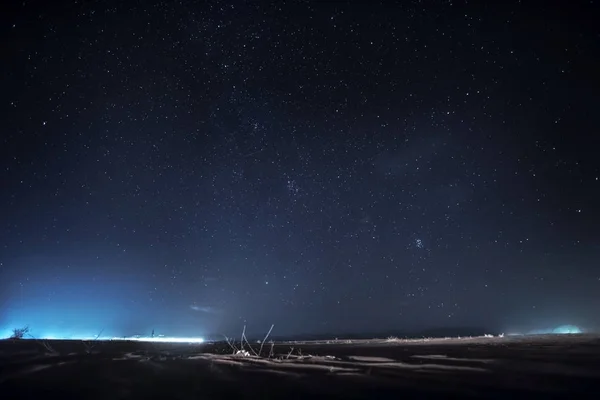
column 567, row 329
column 6, row 334
column 560, row 330
column 165, row 339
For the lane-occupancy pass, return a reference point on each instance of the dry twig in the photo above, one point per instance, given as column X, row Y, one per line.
column 232, row 345
column 265, row 339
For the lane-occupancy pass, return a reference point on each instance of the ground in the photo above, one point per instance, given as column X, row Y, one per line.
column 549, row 366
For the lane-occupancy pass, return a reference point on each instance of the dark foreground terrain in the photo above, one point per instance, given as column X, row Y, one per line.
column 566, row 366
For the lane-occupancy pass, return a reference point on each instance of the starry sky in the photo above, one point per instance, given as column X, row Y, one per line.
column 194, row 166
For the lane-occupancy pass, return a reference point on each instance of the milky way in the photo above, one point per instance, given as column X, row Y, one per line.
column 194, row 167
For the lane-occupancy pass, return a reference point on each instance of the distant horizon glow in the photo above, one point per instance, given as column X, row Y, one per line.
column 559, row 330
column 163, row 339
column 102, row 307
column 566, row 329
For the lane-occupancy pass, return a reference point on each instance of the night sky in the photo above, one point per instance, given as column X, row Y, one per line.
column 195, row 166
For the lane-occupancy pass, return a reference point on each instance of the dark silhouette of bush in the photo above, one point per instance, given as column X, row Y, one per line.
column 19, row 333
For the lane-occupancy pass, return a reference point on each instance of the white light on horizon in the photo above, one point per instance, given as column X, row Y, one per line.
column 164, row 339
column 161, row 339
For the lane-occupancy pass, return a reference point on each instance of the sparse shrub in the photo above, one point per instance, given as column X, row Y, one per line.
column 20, row 333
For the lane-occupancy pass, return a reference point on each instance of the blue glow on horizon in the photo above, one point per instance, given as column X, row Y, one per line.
column 566, row 329
column 80, row 308
column 560, row 330
column 5, row 334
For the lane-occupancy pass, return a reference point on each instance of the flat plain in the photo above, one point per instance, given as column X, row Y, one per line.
column 544, row 366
